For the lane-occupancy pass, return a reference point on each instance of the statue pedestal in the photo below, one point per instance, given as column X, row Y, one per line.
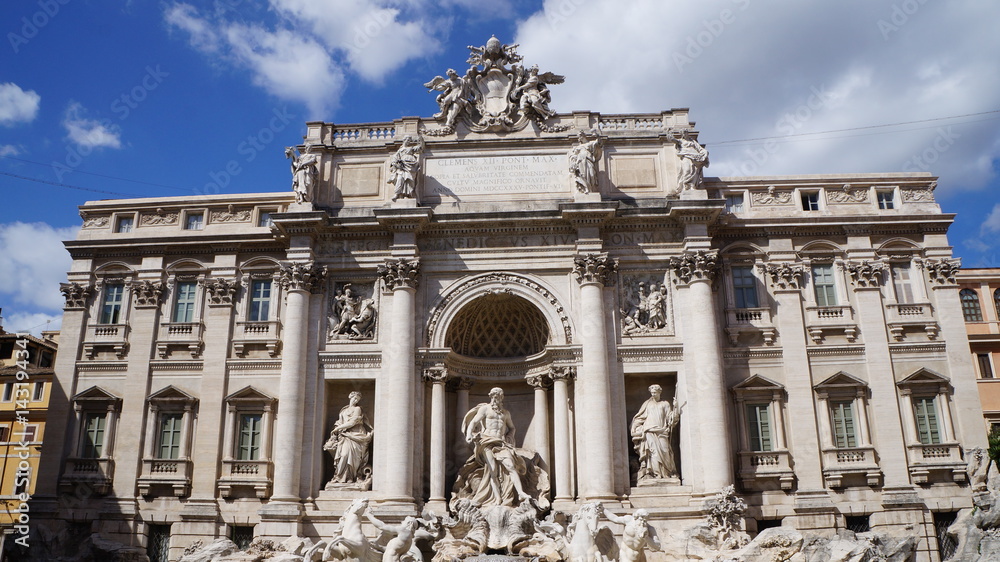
column 661, row 493
column 593, row 197
column 306, row 207
column 405, row 203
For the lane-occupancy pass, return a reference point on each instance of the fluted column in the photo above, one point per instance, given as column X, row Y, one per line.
column 400, row 276
column 298, row 280
column 560, row 420
column 462, row 386
column 696, row 270
column 593, row 389
column 437, row 377
column 540, row 422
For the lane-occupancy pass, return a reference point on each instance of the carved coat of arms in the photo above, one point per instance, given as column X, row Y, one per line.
column 495, row 94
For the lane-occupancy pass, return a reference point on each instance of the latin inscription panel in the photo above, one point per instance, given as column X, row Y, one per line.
column 485, row 175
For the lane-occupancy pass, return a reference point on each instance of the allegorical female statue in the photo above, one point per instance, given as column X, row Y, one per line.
column 652, row 432
column 404, row 166
column 350, row 443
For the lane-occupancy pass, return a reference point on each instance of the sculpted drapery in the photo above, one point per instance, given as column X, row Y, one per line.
column 350, row 442
column 652, row 433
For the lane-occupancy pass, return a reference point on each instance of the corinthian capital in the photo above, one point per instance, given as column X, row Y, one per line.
column 400, row 273
column 302, row 276
column 221, row 291
column 866, row 273
column 942, row 272
column 695, row 266
column 76, row 294
column 562, row 373
column 435, row 374
column 595, row 268
column 783, row 275
column 147, row 293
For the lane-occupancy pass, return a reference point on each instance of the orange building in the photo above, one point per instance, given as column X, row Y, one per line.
column 980, row 296
column 26, row 375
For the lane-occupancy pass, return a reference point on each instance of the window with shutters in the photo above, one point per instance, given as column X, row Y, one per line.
column 248, row 448
column 170, row 436
column 184, row 302
column 842, row 418
column 94, row 428
column 824, row 286
column 902, row 281
column 925, row 415
column 759, row 427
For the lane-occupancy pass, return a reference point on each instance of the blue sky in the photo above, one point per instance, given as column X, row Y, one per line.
column 156, row 98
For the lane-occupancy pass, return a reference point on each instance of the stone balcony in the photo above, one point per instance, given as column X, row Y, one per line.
column 740, row 320
column 265, row 335
column 821, row 320
column 908, row 317
column 757, row 468
column 943, row 458
column 97, row 474
column 174, row 473
column 183, row 335
column 254, row 474
column 838, row 463
column 100, row 337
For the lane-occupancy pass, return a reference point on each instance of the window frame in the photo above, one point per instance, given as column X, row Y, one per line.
column 984, row 365
column 92, row 448
column 733, row 208
column 742, row 291
column 907, row 285
column 881, row 201
column 119, row 221
column 931, row 416
column 192, row 303
column 190, row 214
column 96, row 401
column 810, row 200
column 757, row 441
column 252, row 299
column 116, row 313
column 844, row 428
column 972, row 310
column 253, row 449
column 38, row 392
column 829, row 288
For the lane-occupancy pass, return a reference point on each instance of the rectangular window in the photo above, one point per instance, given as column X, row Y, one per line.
column 902, row 280
column 39, row 392
column 158, row 545
column 925, row 412
column 124, row 224
column 248, row 448
column 810, row 201
column 885, row 199
column 842, row 416
column 241, row 535
column 8, row 391
column 194, row 221
column 4, row 433
column 45, row 360
column 170, row 436
column 759, row 425
column 985, row 366
column 744, row 287
column 184, row 305
column 260, row 301
column 93, row 435
column 111, row 308
column 734, row 203
column 265, row 219
column 29, row 433
column 824, row 286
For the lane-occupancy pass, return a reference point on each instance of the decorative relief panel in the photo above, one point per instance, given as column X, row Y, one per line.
column 96, row 222
column 231, row 215
column 771, row 197
column 353, row 312
column 918, row 194
column 847, row 194
column 158, row 219
column 645, row 305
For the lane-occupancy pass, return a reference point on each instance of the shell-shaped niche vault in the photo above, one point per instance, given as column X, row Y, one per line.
column 496, row 326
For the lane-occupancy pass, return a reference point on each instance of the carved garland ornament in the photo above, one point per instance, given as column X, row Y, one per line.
column 595, row 268
column 221, row 292
column 148, row 293
column 400, row 273
column 942, row 272
column 696, row 266
column 501, row 278
column 784, row 276
column 76, row 294
column 302, row 276
column 867, row 273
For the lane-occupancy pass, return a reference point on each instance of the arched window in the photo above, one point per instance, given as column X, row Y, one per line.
column 970, row 306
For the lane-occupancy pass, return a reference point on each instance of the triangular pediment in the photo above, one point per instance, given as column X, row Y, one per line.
column 95, row 394
column 841, row 380
column 249, row 394
column 171, row 394
column 923, row 376
column 758, row 382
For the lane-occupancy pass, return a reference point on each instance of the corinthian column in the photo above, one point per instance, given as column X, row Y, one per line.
column 593, row 389
column 693, row 273
column 540, row 423
column 437, row 377
column 298, row 280
column 400, row 276
column 560, row 409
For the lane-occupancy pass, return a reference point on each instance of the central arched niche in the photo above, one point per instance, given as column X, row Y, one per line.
column 498, row 326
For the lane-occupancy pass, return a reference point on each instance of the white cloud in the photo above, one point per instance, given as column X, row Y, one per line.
column 305, row 57
column 992, row 222
column 17, row 105
column 9, row 150
column 33, row 262
column 751, row 69
column 90, row 133
column 31, row 322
